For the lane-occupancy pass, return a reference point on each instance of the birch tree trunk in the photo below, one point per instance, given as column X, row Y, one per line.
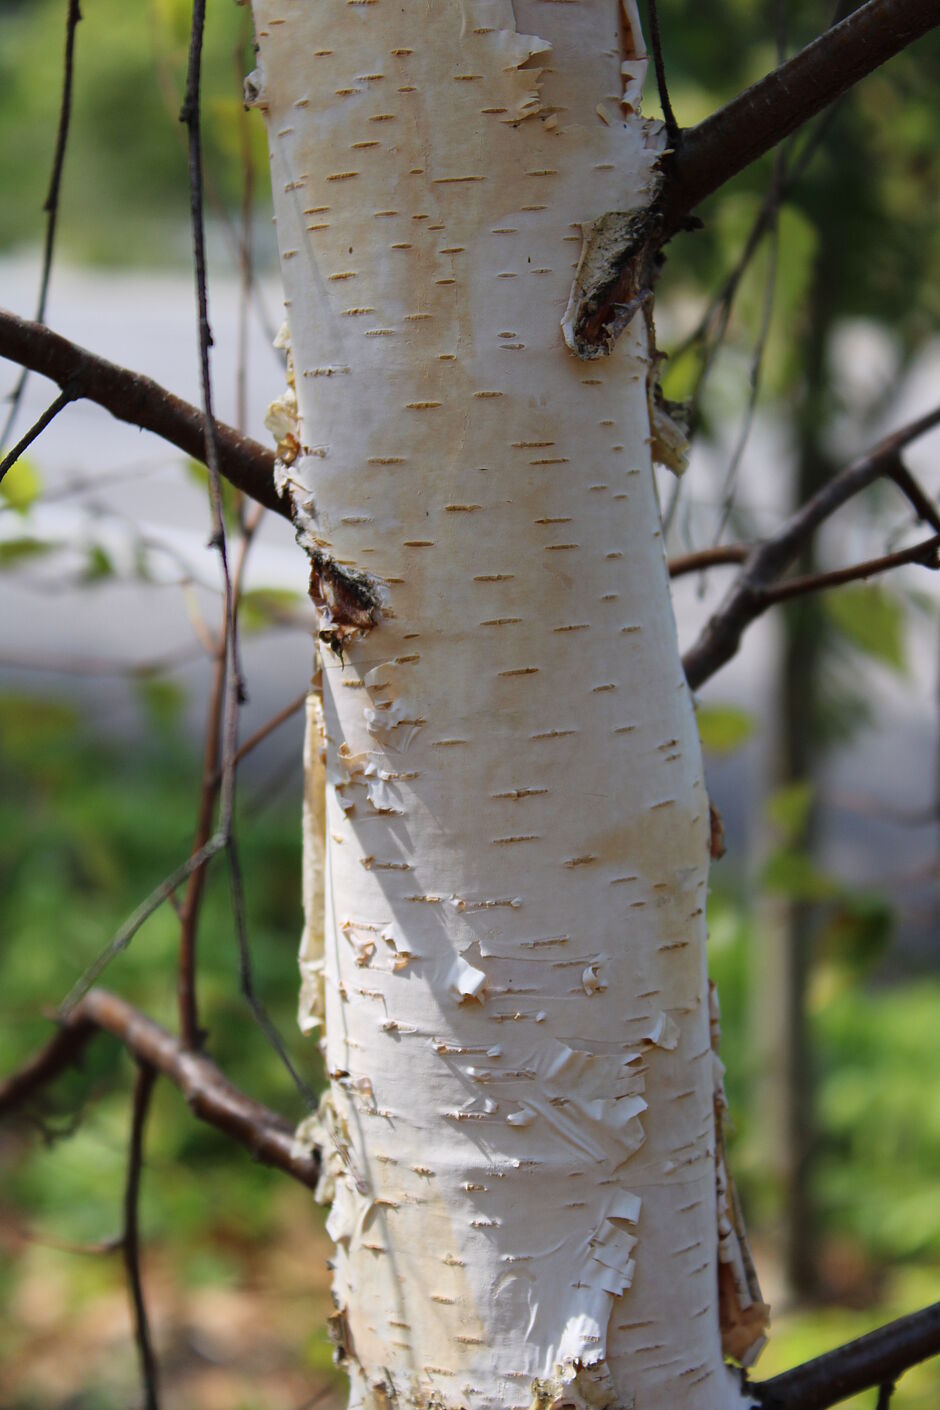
column 529, row 1202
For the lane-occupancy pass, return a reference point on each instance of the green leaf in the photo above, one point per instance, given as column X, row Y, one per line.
column 21, row 484
column 264, row 606
column 788, row 808
column 724, row 728
column 872, row 620
column 15, row 551
column 198, row 473
column 98, row 565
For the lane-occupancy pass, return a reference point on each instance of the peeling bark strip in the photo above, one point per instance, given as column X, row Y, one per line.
column 520, row 1131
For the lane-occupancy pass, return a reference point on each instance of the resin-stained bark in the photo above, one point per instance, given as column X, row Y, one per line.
column 521, row 1120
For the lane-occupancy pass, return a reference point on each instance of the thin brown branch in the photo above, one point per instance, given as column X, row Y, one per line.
column 669, row 117
column 924, row 553
column 190, row 1032
column 73, row 16
column 142, row 402
column 752, row 124
column 103, row 665
column 758, row 119
column 720, row 556
column 245, row 248
column 925, row 507
column 235, row 693
column 97, row 1249
column 130, row 1241
column 275, row 722
column 209, row 1094
column 873, row 1360
column 748, row 596
column 51, row 412
column 208, row 794
column 144, row 911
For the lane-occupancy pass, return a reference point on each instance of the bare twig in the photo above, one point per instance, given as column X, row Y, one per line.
column 757, row 361
column 672, row 127
column 130, row 1240
column 96, row 1249
column 209, row 1094
column 209, row 790
column 190, row 1032
column 50, row 413
column 748, row 596
column 752, row 124
column 275, row 722
column 133, row 923
column 245, row 250
column 924, row 553
column 722, row 555
column 141, row 402
column 103, row 665
column 763, row 115
column 872, row 1360
column 235, row 691
column 73, row 15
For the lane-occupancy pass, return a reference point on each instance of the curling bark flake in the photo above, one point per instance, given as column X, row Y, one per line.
column 520, row 1129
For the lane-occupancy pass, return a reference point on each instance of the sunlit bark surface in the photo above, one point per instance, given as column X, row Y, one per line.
column 520, row 1126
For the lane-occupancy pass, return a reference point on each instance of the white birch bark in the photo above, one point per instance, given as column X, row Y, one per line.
column 521, row 1117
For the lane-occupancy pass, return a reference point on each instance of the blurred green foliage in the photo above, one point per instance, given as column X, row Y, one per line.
column 124, row 196
column 87, row 831
column 90, row 827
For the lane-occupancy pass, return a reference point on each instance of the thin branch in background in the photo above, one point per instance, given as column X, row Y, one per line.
column 790, row 166
column 275, row 722
column 210, row 1096
column 767, row 222
column 924, row 553
column 190, row 1032
column 673, row 134
column 247, row 982
column 208, row 796
column 51, row 412
column 102, row 665
column 245, row 246
column 226, row 225
column 748, row 596
column 92, row 484
column 723, row 555
column 73, row 15
column 130, row 1240
column 721, row 305
column 234, row 692
column 730, row 484
column 133, row 923
column 767, row 112
column 234, row 695
column 98, row 1249
column 923, row 505
column 143, row 403
column 190, row 116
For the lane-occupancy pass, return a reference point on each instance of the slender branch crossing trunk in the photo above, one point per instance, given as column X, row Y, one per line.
column 529, row 1202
